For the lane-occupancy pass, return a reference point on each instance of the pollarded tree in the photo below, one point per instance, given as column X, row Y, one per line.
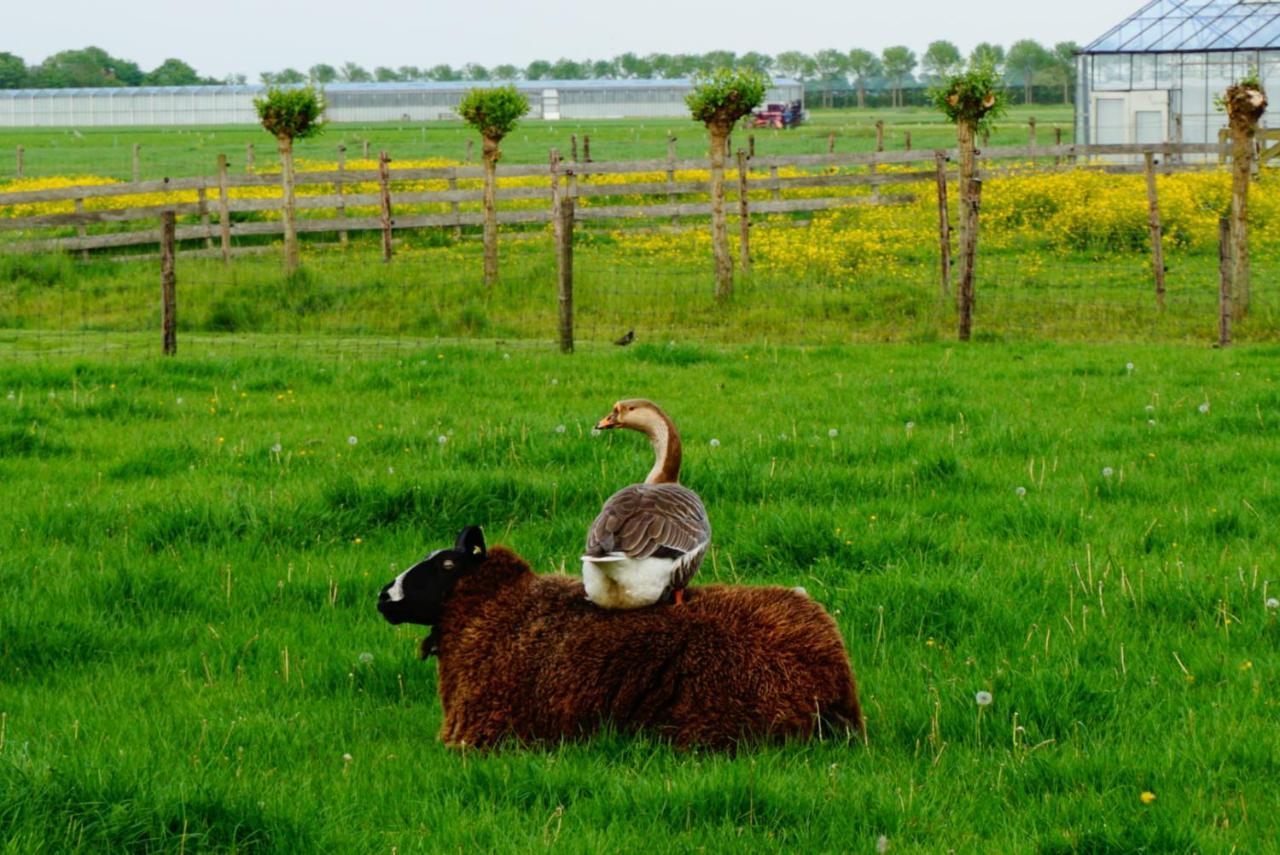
column 1063, row 67
column 288, row 115
column 493, row 112
column 972, row 100
column 1245, row 103
column 719, row 100
column 832, row 66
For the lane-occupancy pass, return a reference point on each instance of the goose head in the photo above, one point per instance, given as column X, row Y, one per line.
column 646, row 417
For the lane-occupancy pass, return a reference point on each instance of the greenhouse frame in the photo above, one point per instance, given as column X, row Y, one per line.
column 349, row 102
column 1154, row 77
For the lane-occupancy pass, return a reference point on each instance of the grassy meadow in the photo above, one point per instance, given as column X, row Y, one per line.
column 180, row 152
column 191, row 660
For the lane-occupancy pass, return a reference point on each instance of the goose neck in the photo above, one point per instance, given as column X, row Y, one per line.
column 666, row 452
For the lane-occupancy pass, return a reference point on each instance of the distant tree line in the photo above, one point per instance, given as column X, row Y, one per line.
column 892, row 77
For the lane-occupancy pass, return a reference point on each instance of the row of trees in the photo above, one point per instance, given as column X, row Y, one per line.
column 93, row 67
column 1025, row 63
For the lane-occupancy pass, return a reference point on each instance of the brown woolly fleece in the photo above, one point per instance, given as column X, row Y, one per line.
column 528, row 657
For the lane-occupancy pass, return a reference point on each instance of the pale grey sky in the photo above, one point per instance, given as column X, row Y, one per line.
column 250, row 36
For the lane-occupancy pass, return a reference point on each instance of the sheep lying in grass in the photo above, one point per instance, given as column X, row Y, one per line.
column 528, row 657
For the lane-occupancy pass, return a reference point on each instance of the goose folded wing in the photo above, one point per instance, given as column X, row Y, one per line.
column 644, row 520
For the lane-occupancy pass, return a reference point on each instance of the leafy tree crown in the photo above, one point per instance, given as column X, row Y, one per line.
column 291, row 113
column 493, row 112
column 974, row 96
column 726, row 95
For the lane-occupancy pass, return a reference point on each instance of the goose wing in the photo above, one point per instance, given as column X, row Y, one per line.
column 653, row 520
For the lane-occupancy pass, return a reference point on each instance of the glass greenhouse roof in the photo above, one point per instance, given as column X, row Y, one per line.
column 1195, row 25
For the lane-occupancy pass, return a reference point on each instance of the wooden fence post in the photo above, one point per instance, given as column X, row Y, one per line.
column 573, row 147
column 137, row 162
column 944, row 222
column 248, row 157
column 341, row 187
column 906, row 140
column 775, row 184
column 1153, row 221
column 879, row 135
column 384, row 186
column 202, row 199
column 751, row 146
column 21, row 166
column 564, row 273
column 454, row 207
column 1031, row 137
column 470, row 143
column 831, row 143
column 1224, row 282
column 586, row 149
column 744, row 215
column 168, row 282
column 671, row 175
column 1057, row 141
column 1177, row 135
column 81, row 231
column 224, row 209
column 364, row 149
column 969, row 256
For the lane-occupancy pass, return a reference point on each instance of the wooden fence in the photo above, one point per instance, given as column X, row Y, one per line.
column 209, row 200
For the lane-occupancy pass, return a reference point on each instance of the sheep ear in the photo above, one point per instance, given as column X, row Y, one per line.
column 471, row 542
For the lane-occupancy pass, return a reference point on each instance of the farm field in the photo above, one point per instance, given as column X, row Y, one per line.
column 190, row 658
column 182, row 152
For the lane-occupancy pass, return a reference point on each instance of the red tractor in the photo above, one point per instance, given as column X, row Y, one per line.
column 779, row 116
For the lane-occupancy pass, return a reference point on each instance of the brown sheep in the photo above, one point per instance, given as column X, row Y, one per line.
column 528, row 657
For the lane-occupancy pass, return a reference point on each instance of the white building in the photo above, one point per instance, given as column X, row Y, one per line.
column 348, row 102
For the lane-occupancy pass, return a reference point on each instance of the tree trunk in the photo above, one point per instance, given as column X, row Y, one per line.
column 1028, row 96
column 862, row 95
column 719, row 230
column 490, row 154
column 965, row 138
column 291, row 259
column 1066, row 91
column 1241, row 167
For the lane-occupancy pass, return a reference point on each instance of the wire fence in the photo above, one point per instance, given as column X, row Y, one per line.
column 1064, row 256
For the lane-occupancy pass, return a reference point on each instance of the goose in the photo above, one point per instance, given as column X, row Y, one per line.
column 649, row 538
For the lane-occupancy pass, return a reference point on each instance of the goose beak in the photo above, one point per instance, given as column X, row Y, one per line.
column 607, row 422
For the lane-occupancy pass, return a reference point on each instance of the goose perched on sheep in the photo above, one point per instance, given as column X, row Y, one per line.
column 649, row 539
column 525, row 656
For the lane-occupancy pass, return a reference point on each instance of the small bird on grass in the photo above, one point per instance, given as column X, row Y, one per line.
column 626, row 339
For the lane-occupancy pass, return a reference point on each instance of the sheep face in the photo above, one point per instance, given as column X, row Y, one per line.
column 418, row 594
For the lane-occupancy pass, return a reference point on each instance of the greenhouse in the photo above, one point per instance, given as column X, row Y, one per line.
column 348, row 102
column 1154, row 77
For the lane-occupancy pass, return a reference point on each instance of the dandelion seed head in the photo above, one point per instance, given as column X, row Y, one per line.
column 391, row 470
column 1021, row 491
column 1107, row 471
column 715, row 443
column 1203, row 408
column 351, row 440
column 1273, row 603
column 11, row 396
column 277, row 448
column 366, row 658
column 882, row 844
column 442, row 439
column 347, row 758
column 506, row 356
column 555, row 381
column 910, row 426
column 560, row 428
column 1128, row 366
column 833, row 433
column 982, row 698
column 1150, row 408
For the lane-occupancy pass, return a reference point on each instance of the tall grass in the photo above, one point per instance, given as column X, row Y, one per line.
column 190, row 659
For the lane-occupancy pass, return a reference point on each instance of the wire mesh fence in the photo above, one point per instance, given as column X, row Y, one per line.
column 1063, row 256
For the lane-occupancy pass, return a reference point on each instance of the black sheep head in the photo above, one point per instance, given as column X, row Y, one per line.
column 418, row 594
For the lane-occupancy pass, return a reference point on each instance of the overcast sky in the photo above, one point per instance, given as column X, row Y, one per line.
column 238, row 36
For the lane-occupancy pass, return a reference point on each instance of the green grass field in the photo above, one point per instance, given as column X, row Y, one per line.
column 178, row 152
column 190, row 658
